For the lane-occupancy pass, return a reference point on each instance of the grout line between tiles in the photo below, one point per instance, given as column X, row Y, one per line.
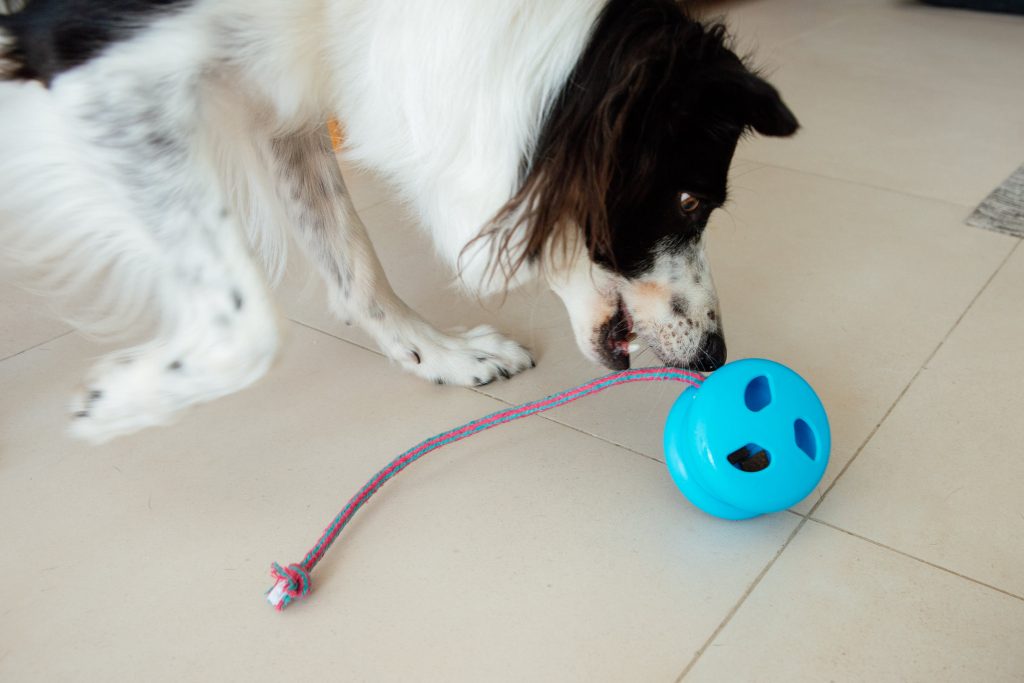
column 860, row 183
column 754, row 166
column 370, row 207
column 913, row 379
column 36, row 346
column 946, row 570
column 779, row 46
column 578, row 430
column 743, row 598
column 477, row 391
column 586, row 433
column 756, row 47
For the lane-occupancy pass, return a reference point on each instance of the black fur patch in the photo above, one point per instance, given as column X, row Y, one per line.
column 672, row 100
column 54, row 36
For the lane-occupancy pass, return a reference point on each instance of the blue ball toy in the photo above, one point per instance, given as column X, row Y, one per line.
column 753, row 439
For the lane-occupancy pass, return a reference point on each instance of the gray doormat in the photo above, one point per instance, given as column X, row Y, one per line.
column 1003, row 211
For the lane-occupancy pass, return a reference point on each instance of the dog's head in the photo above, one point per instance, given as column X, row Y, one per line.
column 631, row 163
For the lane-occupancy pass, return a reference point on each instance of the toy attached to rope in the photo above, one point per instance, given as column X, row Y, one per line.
column 751, row 439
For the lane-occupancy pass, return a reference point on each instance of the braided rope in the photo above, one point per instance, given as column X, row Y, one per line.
column 293, row 582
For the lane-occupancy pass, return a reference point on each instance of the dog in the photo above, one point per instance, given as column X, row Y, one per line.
column 160, row 154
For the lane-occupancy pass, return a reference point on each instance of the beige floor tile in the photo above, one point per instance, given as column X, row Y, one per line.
column 759, row 27
column 531, row 552
column 942, row 478
column 905, row 97
column 851, row 286
column 837, row 608
column 25, row 321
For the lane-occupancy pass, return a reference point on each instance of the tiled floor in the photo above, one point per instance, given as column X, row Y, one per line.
column 558, row 549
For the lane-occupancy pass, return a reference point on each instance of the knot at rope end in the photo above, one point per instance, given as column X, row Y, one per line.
column 293, row 583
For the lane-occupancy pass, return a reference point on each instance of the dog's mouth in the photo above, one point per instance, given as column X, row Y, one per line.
column 615, row 337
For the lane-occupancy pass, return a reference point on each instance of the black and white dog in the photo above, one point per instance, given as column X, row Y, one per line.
column 149, row 148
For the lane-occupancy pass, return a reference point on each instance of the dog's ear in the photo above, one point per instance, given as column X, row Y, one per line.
column 754, row 103
column 768, row 114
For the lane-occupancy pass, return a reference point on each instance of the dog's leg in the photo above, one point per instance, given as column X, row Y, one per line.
column 326, row 224
column 219, row 335
column 149, row 139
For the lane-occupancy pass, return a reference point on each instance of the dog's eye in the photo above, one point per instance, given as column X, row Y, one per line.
column 688, row 203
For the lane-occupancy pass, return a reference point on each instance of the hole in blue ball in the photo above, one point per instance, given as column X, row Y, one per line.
column 805, row 440
column 750, row 458
column 758, row 394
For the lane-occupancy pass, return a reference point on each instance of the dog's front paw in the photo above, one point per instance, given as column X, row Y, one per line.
column 122, row 397
column 472, row 358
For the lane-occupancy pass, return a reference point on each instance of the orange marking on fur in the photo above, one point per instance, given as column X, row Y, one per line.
column 651, row 290
column 337, row 134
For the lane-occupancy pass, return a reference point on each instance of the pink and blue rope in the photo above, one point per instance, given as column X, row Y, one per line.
column 293, row 582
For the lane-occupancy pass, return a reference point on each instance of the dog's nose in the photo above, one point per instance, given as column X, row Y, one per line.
column 711, row 353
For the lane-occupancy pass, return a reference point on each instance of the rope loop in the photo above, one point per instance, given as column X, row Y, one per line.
column 291, row 583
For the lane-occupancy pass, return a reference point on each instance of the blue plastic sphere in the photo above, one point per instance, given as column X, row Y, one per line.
column 752, row 440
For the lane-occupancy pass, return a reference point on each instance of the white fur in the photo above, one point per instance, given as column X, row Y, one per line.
column 447, row 98
column 148, row 170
